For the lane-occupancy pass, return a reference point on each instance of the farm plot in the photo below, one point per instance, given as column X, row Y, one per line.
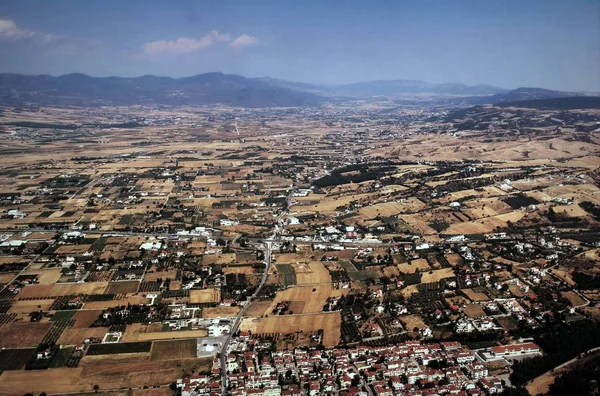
column 122, row 287
column 85, row 318
column 475, row 295
column 436, row 275
column 312, row 297
column 205, row 296
column 108, row 372
column 330, row 323
column 220, row 312
column 311, row 273
column 15, row 359
column 287, row 275
column 23, row 334
column 484, row 226
column 139, row 332
column 167, row 350
column 62, row 289
column 410, row 268
column 27, row 306
column 126, row 347
column 73, row 336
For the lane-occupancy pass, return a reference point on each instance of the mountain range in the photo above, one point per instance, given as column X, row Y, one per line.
column 233, row 90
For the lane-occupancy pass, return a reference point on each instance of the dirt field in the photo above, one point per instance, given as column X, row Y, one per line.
column 85, row 318
column 22, row 334
column 411, row 268
column 312, row 297
column 27, row 306
column 205, row 295
column 475, row 296
column 486, row 225
column 139, row 332
column 311, row 273
column 573, row 298
column 436, row 275
column 329, row 322
column 62, row 289
column 108, row 372
column 73, row 336
column 220, row 312
column 153, row 276
column 122, row 287
column 474, row 311
column 412, row 321
column 130, row 299
column 47, row 276
column 167, row 350
column 257, row 308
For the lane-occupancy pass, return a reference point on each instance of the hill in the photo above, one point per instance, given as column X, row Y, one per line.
column 203, row 89
column 568, row 103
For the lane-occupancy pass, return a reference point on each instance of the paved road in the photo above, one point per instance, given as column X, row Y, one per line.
column 268, row 249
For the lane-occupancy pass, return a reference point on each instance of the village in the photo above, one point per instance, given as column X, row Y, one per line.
column 296, row 252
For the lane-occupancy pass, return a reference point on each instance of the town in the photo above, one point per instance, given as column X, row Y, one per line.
column 351, row 249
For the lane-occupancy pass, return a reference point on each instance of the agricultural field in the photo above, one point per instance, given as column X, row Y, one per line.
column 328, row 322
column 169, row 350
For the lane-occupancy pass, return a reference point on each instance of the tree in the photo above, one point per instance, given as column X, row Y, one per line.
column 96, row 387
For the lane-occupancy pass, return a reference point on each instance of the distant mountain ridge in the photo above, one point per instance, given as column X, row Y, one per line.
column 233, row 90
column 203, row 89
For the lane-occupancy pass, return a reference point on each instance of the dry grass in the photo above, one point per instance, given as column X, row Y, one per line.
column 220, row 312
column 407, row 268
column 73, row 336
column 22, row 334
column 475, row 296
column 313, row 297
column 285, row 324
column 167, row 350
column 140, row 332
column 205, row 295
column 436, row 275
column 108, row 372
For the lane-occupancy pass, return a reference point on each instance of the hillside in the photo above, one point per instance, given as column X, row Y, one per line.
column 202, row 89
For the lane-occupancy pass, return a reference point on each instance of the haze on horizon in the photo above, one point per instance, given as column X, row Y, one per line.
column 550, row 44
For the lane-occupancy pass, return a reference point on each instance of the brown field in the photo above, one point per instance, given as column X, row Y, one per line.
column 412, row 321
column 573, row 298
column 258, row 308
column 311, row 273
column 153, row 276
column 46, row 276
column 27, row 306
column 108, row 372
column 454, row 259
column 167, row 350
column 140, row 332
column 62, row 289
column 313, row 296
column 72, row 336
column 247, row 270
column 205, row 295
column 285, row 324
column 122, row 287
column 475, row 296
column 407, row 268
column 130, row 299
column 7, row 277
column 220, row 312
column 153, row 392
column 85, row 318
column 474, row 311
column 22, row 334
column 436, row 275
column 486, row 225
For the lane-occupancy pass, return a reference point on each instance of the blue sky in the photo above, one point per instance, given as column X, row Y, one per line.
column 544, row 43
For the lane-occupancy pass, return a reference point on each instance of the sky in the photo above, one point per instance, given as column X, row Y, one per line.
column 553, row 44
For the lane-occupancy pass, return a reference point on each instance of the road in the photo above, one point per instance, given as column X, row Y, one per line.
column 268, row 249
